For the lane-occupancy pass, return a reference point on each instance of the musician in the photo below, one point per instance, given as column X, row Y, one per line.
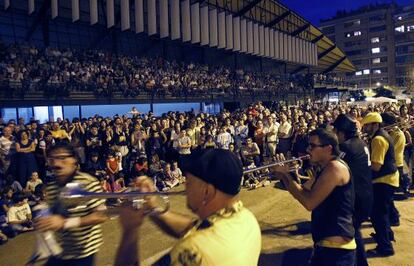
column 330, row 198
column 355, row 153
column 385, row 180
column 398, row 139
column 78, row 229
column 225, row 233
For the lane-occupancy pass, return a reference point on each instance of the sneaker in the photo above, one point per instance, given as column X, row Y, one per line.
column 373, row 235
column 376, row 252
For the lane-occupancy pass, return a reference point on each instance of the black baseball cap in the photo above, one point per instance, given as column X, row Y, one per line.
column 218, row 167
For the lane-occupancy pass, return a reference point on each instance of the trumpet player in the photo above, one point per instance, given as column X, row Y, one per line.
column 330, row 198
column 225, row 233
column 78, row 229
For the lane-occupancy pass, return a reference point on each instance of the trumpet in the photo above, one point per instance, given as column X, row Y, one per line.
column 75, row 197
column 402, row 125
column 295, row 162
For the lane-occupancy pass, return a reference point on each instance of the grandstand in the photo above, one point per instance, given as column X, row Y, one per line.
column 250, row 50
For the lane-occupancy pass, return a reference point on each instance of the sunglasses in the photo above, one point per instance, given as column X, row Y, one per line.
column 313, row 146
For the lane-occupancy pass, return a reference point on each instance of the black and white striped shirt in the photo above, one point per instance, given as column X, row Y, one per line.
column 82, row 241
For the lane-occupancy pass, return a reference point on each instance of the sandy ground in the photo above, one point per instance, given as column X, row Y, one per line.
column 285, row 228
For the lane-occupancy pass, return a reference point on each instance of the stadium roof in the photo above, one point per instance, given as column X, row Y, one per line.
column 274, row 14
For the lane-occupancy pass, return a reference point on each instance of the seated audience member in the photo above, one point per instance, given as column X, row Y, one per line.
column 140, row 167
column 250, row 152
column 176, row 172
column 19, row 215
column 94, row 166
column 170, row 179
column 33, row 182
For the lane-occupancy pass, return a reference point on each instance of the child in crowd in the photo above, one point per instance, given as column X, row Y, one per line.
column 140, row 166
column 176, row 172
column 112, row 167
column 19, row 214
column 33, row 182
column 170, row 179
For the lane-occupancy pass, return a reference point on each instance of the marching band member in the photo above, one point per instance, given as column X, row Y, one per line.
column 225, row 233
column 355, row 153
column 78, row 229
column 330, row 198
column 385, row 180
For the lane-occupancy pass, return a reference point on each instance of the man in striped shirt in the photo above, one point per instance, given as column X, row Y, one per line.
column 77, row 229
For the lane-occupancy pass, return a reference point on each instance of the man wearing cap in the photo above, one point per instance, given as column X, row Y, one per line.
column 385, row 180
column 225, row 233
column 355, row 153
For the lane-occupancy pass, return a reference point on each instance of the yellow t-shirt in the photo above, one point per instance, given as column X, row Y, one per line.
column 398, row 139
column 379, row 147
column 233, row 238
column 59, row 134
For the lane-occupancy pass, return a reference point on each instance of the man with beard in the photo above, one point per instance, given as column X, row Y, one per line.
column 78, row 228
column 225, row 233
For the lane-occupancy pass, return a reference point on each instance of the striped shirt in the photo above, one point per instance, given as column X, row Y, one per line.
column 82, row 241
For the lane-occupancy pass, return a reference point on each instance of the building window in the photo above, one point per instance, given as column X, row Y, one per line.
column 376, row 60
column 375, row 40
column 366, row 71
column 375, row 50
column 376, row 71
column 348, row 35
column 400, row 28
column 358, row 73
column 410, row 28
column 352, row 23
column 377, row 29
column 357, row 33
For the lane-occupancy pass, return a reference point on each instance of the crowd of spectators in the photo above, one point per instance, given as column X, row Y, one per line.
column 118, row 149
column 58, row 72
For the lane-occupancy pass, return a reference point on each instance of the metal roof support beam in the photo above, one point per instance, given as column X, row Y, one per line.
column 326, row 52
column 335, row 65
column 317, row 39
column 40, row 17
column 299, row 69
column 247, row 8
column 300, row 29
column 278, row 19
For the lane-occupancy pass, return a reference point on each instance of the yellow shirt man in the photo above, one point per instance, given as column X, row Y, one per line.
column 379, row 147
column 231, row 237
column 398, row 138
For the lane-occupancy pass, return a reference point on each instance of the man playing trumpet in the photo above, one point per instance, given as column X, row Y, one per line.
column 225, row 233
column 330, row 198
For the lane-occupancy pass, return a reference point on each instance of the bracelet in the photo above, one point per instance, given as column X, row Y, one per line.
column 72, row 223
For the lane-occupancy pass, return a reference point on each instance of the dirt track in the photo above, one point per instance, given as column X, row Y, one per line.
column 285, row 234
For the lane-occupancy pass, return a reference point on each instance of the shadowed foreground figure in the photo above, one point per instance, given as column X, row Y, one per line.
column 225, row 233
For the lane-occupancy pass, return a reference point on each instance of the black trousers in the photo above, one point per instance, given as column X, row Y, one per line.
column 380, row 216
column 88, row 261
column 323, row 256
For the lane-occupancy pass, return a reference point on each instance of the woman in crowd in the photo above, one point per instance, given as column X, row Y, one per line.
column 26, row 161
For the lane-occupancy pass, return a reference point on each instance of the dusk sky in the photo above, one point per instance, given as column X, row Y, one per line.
column 314, row 10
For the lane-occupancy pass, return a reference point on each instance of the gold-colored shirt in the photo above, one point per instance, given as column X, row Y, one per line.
column 229, row 237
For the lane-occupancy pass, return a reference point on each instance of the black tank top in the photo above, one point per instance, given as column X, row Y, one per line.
column 333, row 217
column 389, row 165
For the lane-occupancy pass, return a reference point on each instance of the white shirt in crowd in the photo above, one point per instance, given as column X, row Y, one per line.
column 274, row 129
column 224, row 140
column 31, row 185
column 184, row 141
column 19, row 213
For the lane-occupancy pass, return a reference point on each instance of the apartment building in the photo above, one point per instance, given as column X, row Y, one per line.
column 404, row 46
column 367, row 36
